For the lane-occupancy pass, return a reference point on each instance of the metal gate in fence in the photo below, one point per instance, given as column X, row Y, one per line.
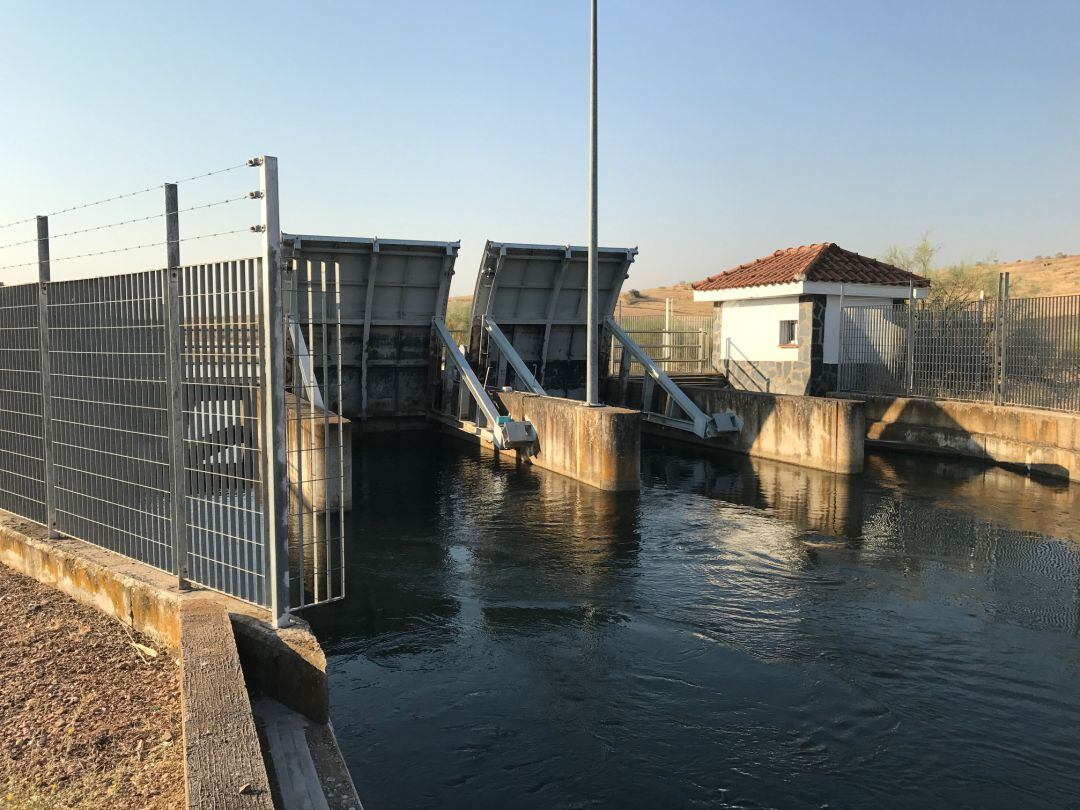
column 1006, row 351
column 678, row 344
column 163, row 415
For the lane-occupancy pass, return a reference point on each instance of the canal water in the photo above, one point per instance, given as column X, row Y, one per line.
column 739, row 633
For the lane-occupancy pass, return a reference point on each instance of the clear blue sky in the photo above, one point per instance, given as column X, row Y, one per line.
column 728, row 129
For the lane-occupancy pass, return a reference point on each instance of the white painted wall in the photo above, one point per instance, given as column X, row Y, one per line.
column 753, row 326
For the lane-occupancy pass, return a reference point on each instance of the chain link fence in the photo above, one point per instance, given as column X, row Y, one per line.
column 1005, row 351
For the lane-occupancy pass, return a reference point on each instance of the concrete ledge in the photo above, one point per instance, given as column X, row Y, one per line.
column 141, row 597
column 223, row 764
column 288, row 665
column 598, row 446
column 823, row 434
column 1043, row 442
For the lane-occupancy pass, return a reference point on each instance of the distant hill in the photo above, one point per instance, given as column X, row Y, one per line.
column 1028, row 278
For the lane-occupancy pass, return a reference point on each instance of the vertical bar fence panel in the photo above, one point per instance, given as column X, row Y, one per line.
column 874, row 349
column 22, row 429
column 221, row 315
column 315, row 433
column 109, row 426
column 1041, row 367
column 1011, row 351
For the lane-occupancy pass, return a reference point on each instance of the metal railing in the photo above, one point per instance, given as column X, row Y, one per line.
column 1005, row 351
column 677, row 344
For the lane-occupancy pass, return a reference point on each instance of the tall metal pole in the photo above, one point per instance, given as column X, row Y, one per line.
column 592, row 387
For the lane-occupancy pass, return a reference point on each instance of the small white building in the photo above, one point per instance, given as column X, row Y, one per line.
column 777, row 319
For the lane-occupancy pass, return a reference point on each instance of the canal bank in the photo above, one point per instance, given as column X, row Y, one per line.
column 739, row 631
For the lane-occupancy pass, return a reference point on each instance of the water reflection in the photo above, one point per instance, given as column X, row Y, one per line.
column 739, row 633
column 811, row 500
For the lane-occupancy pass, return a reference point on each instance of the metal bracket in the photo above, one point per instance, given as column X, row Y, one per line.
column 505, row 433
column 701, row 424
column 507, row 350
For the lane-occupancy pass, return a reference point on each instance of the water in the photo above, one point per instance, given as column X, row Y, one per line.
column 738, row 634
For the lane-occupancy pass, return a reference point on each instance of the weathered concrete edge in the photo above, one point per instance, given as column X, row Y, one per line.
column 524, row 457
column 813, row 432
column 597, row 445
column 139, row 596
column 223, row 759
column 288, row 664
column 923, row 426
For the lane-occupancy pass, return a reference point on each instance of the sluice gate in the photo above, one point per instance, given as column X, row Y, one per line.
column 400, row 366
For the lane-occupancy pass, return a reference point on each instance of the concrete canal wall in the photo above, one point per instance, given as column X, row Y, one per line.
column 823, row 434
column 1044, row 442
column 598, row 446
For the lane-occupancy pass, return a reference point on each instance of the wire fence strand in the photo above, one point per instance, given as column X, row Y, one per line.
column 128, row 194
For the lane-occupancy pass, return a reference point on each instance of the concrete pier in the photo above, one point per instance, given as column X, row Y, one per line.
column 823, row 434
column 598, row 446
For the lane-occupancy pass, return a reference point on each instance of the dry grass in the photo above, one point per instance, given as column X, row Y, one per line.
column 87, row 720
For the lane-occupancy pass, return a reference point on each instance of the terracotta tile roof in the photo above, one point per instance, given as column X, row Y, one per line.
column 826, row 262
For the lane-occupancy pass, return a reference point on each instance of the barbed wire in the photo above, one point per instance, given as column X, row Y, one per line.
column 254, row 195
column 245, row 164
column 251, row 229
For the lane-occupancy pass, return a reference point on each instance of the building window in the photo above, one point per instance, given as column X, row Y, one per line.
column 789, row 333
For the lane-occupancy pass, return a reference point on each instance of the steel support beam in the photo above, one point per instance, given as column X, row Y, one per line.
column 505, row 433
column 698, row 422
column 510, row 355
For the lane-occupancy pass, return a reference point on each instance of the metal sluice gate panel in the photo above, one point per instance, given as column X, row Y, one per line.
column 22, row 436
column 537, row 295
column 390, row 291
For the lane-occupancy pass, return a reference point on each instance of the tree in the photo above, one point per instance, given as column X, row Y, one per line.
column 951, row 287
column 918, row 258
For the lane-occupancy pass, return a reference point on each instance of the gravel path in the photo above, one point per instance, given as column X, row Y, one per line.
column 87, row 719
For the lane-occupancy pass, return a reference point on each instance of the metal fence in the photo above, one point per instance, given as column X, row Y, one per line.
column 22, row 427
column 147, row 413
column 108, row 414
column 315, row 433
column 1005, row 351
column 678, row 344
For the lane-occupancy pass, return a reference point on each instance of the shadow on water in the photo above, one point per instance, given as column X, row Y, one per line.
column 739, row 633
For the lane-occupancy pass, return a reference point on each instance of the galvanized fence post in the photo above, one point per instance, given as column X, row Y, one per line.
column 911, row 320
column 44, row 277
column 272, row 398
column 174, row 348
column 1002, row 388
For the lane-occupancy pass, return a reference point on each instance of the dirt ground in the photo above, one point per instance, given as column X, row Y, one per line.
column 87, row 719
